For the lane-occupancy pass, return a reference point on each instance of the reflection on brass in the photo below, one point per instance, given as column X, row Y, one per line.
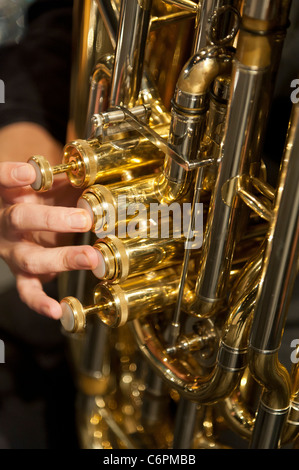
column 90, row 161
column 127, row 257
column 174, row 346
column 118, row 304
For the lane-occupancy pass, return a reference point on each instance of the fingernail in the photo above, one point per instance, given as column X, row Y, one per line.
column 78, row 221
column 82, row 261
column 23, row 173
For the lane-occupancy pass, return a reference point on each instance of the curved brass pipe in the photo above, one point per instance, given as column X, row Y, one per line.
column 269, row 371
column 230, row 362
column 188, row 119
column 241, row 417
column 291, row 428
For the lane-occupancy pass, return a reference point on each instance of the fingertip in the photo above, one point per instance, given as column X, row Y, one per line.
column 93, row 257
column 52, row 310
column 23, row 173
column 86, row 258
column 79, row 220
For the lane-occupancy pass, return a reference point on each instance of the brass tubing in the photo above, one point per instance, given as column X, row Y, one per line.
column 274, row 404
column 175, row 324
column 252, row 68
column 117, row 304
column 218, row 243
column 122, row 258
column 100, row 83
column 278, row 276
column 91, row 161
column 291, row 429
column 279, row 272
column 185, row 4
column 188, row 113
column 129, row 53
column 185, row 423
column 110, row 19
column 230, row 362
column 210, row 10
column 138, row 297
column 257, row 206
column 158, row 22
column 88, row 33
column 106, row 163
column 263, row 187
column 236, row 415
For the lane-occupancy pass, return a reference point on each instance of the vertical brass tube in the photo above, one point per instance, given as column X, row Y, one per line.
column 100, row 83
column 88, row 33
column 291, row 429
column 110, row 19
column 188, row 116
column 245, row 126
column 185, row 424
column 129, row 53
column 279, row 271
column 209, row 10
column 278, row 275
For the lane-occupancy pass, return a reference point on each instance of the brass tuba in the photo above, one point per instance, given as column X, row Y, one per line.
column 176, row 334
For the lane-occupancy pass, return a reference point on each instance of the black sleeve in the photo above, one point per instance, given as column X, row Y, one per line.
column 36, row 72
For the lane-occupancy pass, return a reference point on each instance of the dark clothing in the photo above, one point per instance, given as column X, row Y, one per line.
column 36, row 72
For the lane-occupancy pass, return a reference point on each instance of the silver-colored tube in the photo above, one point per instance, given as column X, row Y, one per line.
column 184, row 425
column 189, row 111
column 99, row 90
column 257, row 56
column 212, row 9
column 278, row 276
column 279, row 271
column 217, row 247
column 109, row 18
column 265, row 10
column 129, row 54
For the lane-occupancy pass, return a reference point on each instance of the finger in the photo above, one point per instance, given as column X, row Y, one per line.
column 16, row 174
column 32, row 294
column 34, row 217
column 36, row 260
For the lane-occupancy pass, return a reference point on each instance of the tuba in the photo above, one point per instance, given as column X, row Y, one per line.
column 175, row 336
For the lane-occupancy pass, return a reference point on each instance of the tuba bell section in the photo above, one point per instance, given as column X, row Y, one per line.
column 175, row 336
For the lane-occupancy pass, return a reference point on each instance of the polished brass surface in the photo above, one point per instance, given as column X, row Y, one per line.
column 86, row 162
column 174, row 346
column 128, row 257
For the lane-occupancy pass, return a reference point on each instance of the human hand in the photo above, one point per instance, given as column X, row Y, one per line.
column 33, row 231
